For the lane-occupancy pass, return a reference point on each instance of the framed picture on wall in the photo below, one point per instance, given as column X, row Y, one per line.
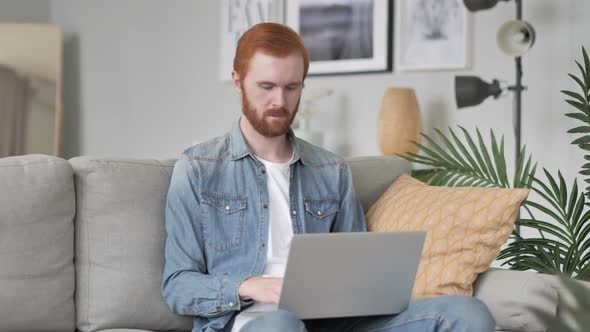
column 432, row 35
column 237, row 16
column 344, row 36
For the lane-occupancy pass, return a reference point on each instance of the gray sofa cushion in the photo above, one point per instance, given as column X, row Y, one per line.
column 120, row 238
column 513, row 296
column 37, row 278
column 371, row 176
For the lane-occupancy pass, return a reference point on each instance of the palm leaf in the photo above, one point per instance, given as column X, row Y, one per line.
column 585, row 272
column 523, row 175
column 455, row 154
column 474, row 149
column 582, row 140
column 581, row 84
column 465, row 152
column 486, row 156
column 466, row 161
column 579, row 130
column 569, row 248
column 546, row 227
column 583, row 72
column 587, row 67
column 574, row 95
column 581, row 102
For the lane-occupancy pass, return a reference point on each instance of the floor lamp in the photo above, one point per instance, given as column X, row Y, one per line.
column 514, row 38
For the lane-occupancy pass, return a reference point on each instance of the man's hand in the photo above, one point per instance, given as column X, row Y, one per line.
column 259, row 289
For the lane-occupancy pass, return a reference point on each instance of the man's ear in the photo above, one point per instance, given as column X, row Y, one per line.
column 235, row 77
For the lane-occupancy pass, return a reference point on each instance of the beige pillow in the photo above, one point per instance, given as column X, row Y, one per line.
column 466, row 227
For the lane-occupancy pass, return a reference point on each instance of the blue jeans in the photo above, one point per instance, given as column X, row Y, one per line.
column 456, row 313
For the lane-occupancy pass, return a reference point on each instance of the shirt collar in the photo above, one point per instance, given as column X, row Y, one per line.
column 239, row 148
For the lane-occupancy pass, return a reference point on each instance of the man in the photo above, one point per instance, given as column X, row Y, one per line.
column 234, row 203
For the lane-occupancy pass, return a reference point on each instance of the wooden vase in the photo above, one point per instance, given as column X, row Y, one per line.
column 399, row 122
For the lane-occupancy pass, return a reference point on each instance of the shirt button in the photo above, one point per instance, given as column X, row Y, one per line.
column 319, row 213
column 231, row 304
column 262, row 244
column 294, row 212
column 263, row 171
column 265, row 205
column 227, row 207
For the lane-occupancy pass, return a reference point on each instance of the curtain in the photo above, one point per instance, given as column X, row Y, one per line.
column 14, row 92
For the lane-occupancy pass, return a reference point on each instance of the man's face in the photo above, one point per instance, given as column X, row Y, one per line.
column 271, row 92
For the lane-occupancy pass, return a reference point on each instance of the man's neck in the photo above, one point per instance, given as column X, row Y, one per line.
column 274, row 149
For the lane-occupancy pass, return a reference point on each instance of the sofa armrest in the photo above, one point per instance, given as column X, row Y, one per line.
column 513, row 297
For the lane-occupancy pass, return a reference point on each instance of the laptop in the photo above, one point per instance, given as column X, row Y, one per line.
column 331, row 275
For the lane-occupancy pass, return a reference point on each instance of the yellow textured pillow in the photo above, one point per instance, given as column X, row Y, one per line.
column 466, row 227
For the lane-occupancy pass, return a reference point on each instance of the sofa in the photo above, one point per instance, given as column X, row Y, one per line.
column 82, row 244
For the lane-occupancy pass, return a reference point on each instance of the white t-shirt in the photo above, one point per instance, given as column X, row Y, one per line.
column 280, row 233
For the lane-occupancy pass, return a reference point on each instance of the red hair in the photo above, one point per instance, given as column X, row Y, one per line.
column 271, row 39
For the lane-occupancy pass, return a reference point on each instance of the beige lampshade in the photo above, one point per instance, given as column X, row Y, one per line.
column 399, row 122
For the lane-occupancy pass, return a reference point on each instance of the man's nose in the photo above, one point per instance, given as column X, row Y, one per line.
column 279, row 99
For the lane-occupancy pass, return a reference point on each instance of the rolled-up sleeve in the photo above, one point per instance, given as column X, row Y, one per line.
column 186, row 286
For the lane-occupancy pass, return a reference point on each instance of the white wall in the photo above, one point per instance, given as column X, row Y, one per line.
column 142, row 81
column 24, row 10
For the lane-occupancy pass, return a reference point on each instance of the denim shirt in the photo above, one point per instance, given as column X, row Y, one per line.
column 217, row 220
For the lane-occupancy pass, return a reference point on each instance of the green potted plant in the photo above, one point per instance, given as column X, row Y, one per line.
column 559, row 214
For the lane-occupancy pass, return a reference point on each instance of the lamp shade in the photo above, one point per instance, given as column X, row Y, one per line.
column 475, row 5
column 515, row 37
column 472, row 90
column 399, row 122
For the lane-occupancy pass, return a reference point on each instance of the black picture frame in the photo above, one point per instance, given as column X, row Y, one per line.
column 344, row 36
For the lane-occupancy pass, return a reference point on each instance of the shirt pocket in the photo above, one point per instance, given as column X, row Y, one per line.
column 321, row 209
column 223, row 220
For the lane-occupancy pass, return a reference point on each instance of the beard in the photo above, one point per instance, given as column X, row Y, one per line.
column 272, row 122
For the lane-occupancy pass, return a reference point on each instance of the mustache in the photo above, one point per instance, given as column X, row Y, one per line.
column 276, row 112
